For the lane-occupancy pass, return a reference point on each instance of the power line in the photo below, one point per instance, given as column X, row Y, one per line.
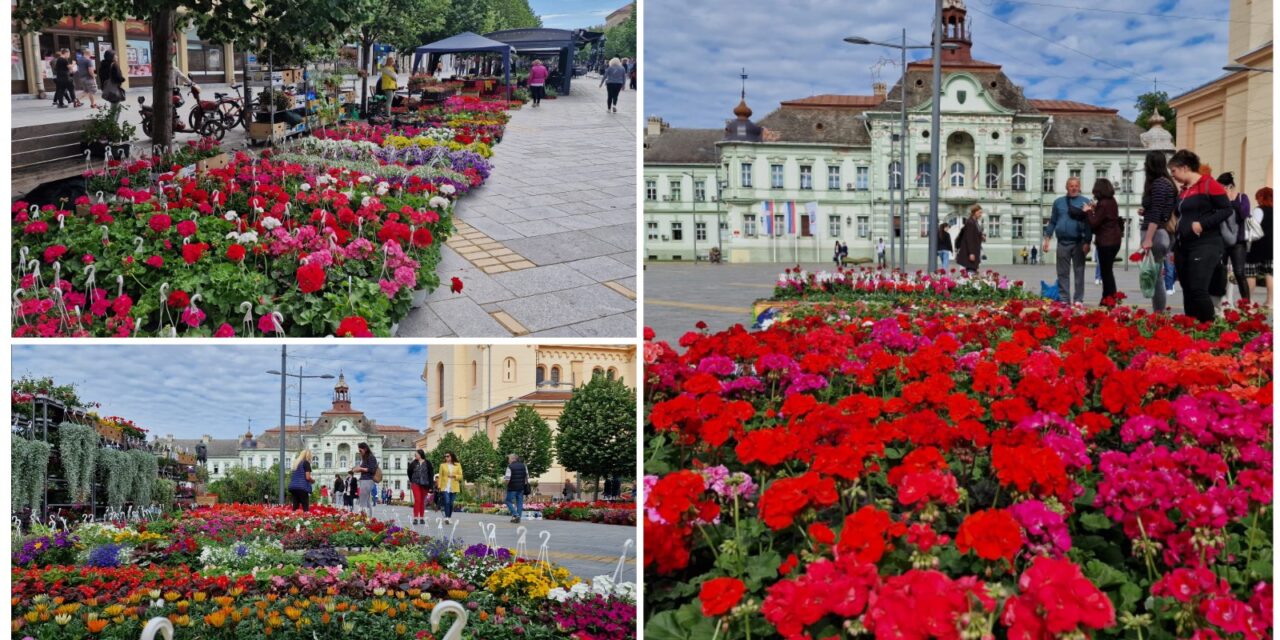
column 1131, row 13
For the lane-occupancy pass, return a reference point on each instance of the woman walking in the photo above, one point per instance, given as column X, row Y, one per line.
column 538, row 82
column 1104, row 217
column 1258, row 260
column 1202, row 206
column 944, row 246
column 420, row 478
column 389, row 81
column 339, row 491
column 614, row 76
column 300, row 481
column 450, row 481
column 835, row 255
column 369, row 473
column 1158, row 197
column 969, row 243
column 1234, row 256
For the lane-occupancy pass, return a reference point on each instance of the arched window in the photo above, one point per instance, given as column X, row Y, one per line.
column 922, row 174
column 541, row 375
column 597, row 372
column 555, row 376
column 1019, row 177
column 957, row 174
column 509, row 370
column 475, row 374
column 440, row 384
column 613, row 373
column 993, row 176
column 895, row 175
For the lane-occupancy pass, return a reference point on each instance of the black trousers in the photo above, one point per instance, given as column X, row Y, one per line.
column 1196, row 261
column 1233, row 257
column 614, row 89
column 538, row 93
column 301, row 499
column 63, row 91
column 1107, row 260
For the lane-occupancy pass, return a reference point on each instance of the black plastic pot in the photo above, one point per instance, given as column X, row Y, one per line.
column 98, row 150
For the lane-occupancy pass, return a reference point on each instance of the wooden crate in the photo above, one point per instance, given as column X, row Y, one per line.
column 216, row 162
column 207, row 500
column 267, row 131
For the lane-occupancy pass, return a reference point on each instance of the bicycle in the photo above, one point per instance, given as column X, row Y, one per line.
column 210, row 128
column 227, row 107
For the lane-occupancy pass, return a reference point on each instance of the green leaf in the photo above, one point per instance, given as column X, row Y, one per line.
column 1095, row 521
column 761, row 568
column 1104, row 575
column 686, row 623
column 1130, row 595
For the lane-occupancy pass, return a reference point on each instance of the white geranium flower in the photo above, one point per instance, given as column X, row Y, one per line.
column 231, row 215
column 436, row 202
column 306, row 187
column 366, row 179
column 448, row 189
column 270, row 223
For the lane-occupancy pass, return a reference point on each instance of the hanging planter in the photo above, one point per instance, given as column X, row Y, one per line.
column 30, row 468
column 77, row 446
column 146, row 468
column 117, row 467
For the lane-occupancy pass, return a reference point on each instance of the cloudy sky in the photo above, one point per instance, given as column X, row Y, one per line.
column 193, row 390
column 1095, row 51
column 574, row 14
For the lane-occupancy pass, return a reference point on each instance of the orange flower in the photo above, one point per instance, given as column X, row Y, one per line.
column 216, row 619
column 96, row 626
column 292, row 613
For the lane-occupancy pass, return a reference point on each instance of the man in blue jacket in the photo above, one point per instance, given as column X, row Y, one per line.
column 1069, row 225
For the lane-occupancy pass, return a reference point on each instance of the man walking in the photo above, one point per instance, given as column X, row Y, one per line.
column 517, row 477
column 880, row 254
column 85, row 77
column 1069, row 224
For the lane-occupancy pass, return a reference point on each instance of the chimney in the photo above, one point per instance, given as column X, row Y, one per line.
column 880, row 90
column 656, row 126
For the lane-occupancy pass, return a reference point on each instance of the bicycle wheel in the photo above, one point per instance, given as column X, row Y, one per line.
column 196, row 118
column 212, row 128
column 230, row 112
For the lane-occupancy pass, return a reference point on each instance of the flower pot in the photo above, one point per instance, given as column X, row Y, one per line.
column 419, row 298
column 100, row 149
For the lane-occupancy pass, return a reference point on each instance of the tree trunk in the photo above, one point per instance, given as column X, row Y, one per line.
column 162, row 29
column 364, row 82
column 595, row 487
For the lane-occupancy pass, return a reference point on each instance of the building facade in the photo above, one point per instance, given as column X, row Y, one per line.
column 31, row 53
column 478, row 388
column 830, row 168
column 1227, row 122
column 332, row 439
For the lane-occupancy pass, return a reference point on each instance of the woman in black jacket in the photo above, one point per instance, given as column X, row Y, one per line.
column 1233, row 257
column 111, row 79
column 1158, row 198
column 421, row 478
column 1103, row 215
column 944, row 246
column 339, row 491
column 969, row 243
column 1202, row 206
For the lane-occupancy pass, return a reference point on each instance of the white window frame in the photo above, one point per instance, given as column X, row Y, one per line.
column 895, row 175
column 700, row 231
column 864, row 226
column 833, row 178
column 833, row 226
column 749, row 225
column 700, row 190
column 806, row 176
column 1019, row 182
column 651, row 190
column 862, row 179
column 746, row 174
column 677, row 231
column 1049, row 181
column 993, row 176
column 993, row 226
column 653, row 232
column 675, row 188
column 922, row 174
column 1018, row 228
column 777, row 176
column 957, row 174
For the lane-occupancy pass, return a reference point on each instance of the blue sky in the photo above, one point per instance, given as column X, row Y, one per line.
column 694, row 52
column 574, row 14
column 193, row 390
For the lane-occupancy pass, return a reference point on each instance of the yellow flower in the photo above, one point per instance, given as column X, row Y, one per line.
column 62, row 619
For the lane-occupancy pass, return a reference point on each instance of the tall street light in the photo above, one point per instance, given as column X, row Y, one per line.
column 1128, row 189
column 934, row 135
column 284, row 373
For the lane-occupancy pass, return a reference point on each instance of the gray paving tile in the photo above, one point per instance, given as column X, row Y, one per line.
column 541, row 212
column 531, row 282
column 494, row 229
column 561, row 247
column 423, row 323
column 602, row 268
column 545, row 311
column 477, row 285
column 540, row 201
column 558, row 332
column 466, row 319
column 534, row 228
column 622, row 236
column 616, row 326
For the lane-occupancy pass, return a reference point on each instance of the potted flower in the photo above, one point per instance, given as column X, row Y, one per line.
column 107, row 132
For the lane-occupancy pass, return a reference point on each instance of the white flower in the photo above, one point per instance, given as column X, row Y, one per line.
column 306, row 187
column 270, row 223
column 436, row 202
column 366, row 179
column 448, row 189
column 231, row 215
column 322, row 180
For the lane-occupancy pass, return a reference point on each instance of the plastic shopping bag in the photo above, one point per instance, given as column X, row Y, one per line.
column 1149, row 275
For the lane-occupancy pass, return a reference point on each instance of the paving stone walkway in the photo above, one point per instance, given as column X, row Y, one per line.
column 547, row 246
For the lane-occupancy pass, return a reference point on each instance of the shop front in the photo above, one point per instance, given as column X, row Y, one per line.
column 137, row 56
column 205, row 60
column 71, row 33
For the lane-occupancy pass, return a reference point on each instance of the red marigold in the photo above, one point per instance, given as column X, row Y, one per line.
column 719, row 595
column 354, row 327
column 786, row 498
column 310, row 278
column 992, row 534
column 235, row 252
column 179, row 299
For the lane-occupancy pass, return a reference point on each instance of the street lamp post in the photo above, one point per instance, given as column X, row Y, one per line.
column 1128, row 190
column 693, row 184
column 937, row 48
column 284, row 373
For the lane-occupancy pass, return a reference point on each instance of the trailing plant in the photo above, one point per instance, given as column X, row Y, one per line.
column 30, row 468
column 146, row 469
column 164, row 492
column 117, row 466
column 77, row 445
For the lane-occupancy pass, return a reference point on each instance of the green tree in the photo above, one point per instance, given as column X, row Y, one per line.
column 528, row 436
column 620, row 41
column 514, row 14
column 399, row 24
column 247, row 485
column 597, row 436
column 476, row 16
column 479, row 459
column 1151, row 101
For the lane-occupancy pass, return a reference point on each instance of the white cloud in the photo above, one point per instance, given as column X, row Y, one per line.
column 694, row 52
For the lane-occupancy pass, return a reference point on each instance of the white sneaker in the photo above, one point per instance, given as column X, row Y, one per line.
column 1097, row 282
column 1169, row 291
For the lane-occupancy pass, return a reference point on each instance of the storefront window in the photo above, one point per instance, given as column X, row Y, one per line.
column 19, row 69
column 138, row 58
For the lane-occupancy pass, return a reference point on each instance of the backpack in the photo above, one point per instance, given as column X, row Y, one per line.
column 1230, row 230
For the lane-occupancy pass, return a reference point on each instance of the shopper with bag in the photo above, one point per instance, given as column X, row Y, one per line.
column 1069, row 225
column 1235, row 245
column 421, row 475
column 1158, row 197
column 517, row 477
column 111, row 78
column 370, row 476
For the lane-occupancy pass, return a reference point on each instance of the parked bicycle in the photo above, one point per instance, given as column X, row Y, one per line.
column 227, row 107
column 208, row 127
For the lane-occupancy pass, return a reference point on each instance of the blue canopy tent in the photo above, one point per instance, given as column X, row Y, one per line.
column 466, row 42
column 545, row 43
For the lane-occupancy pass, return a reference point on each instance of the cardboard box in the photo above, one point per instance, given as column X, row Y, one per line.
column 211, row 164
column 207, row 500
column 267, row 131
column 276, row 78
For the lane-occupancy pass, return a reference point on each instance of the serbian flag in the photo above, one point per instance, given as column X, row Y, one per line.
column 791, row 217
column 812, row 209
column 766, row 211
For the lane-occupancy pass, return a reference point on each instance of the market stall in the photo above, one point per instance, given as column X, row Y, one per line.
column 465, row 42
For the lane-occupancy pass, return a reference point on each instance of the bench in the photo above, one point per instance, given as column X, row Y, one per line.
column 45, row 143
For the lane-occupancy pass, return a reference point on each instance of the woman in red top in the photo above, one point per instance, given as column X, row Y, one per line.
column 1104, row 217
column 1202, row 207
column 538, row 82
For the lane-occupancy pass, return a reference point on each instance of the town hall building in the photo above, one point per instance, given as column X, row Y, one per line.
column 829, row 168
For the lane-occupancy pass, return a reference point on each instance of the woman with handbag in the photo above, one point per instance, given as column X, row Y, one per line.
column 969, row 243
column 1158, row 197
column 1202, row 206
column 300, row 481
column 1234, row 254
column 370, row 476
column 111, row 78
column 449, row 483
column 1104, row 218
column 1258, row 260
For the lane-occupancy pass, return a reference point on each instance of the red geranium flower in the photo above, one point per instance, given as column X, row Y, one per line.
column 191, row 253
column 160, row 223
column 720, row 595
column 354, row 327
column 187, row 228
column 992, row 534
column 235, row 252
column 456, row 286
column 179, row 299
column 310, row 278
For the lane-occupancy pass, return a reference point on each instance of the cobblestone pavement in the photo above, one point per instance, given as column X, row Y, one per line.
column 586, row 549
column 680, row 294
column 547, row 246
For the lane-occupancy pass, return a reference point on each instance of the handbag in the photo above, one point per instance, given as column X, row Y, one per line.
column 1230, row 229
column 377, row 475
column 1148, row 275
column 113, row 92
column 1253, row 229
column 528, row 491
